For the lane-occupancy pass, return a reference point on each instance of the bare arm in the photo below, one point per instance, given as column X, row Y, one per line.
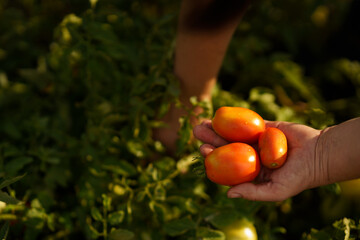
column 205, row 28
column 338, row 153
column 204, row 32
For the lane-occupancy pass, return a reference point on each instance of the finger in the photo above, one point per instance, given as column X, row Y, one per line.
column 207, row 123
column 285, row 127
column 258, row 192
column 282, row 125
column 206, row 149
column 274, row 124
column 207, row 135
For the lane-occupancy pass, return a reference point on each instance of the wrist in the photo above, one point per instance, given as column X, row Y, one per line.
column 337, row 153
column 321, row 175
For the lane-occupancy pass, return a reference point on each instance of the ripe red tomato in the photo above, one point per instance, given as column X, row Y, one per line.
column 273, row 147
column 237, row 124
column 232, row 164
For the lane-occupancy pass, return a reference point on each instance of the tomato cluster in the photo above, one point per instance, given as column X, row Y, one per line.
column 238, row 161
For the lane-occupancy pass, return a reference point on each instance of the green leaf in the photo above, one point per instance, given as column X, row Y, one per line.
column 165, row 164
column 4, row 230
column 179, row 226
column 93, row 3
column 222, row 218
column 191, row 206
column 4, row 197
column 318, row 235
column 95, row 213
column 11, row 129
column 106, row 202
column 292, row 73
column 333, row 188
column 116, row 217
column 15, row 165
column 159, row 209
column 101, row 32
column 122, row 234
column 204, row 233
column 36, row 213
column 184, row 134
column 10, row 151
column 51, row 221
column 140, row 196
column 193, row 100
column 122, row 168
column 159, row 193
column 34, row 222
column 199, row 167
column 319, row 118
column 281, row 230
column 56, row 175
column 136, row 148
column 9, row 181
column 93, row 232
column 35, row 203
column 185, row 162
column 346, row 224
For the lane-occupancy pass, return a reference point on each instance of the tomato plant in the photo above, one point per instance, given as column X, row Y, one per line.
column 232, row 164
column 79, row 106
column 237, row 124
column 273, row 147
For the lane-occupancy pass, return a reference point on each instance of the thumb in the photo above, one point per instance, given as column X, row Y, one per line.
column 277, row 124
column 267, row 191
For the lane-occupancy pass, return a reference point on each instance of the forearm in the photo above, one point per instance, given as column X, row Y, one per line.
column 338, row 149
column 202, row 42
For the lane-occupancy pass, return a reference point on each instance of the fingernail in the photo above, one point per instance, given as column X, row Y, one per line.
column 234, row 195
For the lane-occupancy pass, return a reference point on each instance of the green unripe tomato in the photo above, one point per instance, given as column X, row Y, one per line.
column 241, row 229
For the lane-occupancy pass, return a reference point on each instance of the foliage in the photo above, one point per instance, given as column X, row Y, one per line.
column 83, row 83
column 342, row 229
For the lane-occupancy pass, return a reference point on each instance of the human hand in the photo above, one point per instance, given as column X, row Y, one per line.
column 301, row 171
